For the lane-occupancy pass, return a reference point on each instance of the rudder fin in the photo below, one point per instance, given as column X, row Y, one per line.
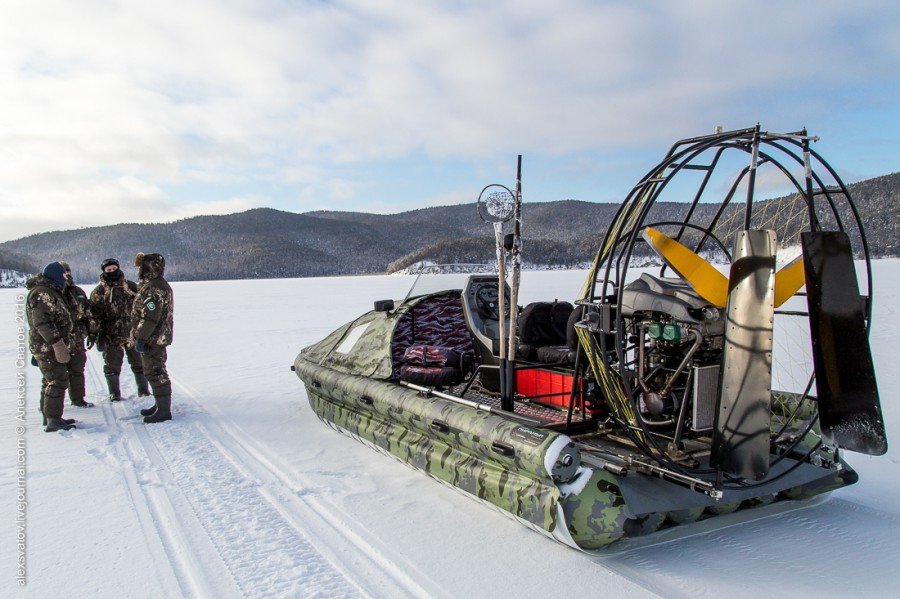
column 849, row 407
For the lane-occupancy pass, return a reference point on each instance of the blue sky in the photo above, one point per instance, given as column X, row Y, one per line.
column 122, row 111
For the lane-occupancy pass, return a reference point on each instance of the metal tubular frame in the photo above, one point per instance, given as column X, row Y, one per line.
column 776, row 149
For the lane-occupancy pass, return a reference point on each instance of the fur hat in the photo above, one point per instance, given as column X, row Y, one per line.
column 150, row 266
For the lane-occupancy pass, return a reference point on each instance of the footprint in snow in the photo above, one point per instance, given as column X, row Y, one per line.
column 104, row 456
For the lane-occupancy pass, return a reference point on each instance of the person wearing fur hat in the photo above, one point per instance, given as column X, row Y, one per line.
column 151, row 331
column 112, row 301
column 83, row 327
column 49, row 331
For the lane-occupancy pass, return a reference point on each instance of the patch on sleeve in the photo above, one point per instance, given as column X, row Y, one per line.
column 151, row 305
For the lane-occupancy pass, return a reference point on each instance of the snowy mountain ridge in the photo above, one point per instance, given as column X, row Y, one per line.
column 264, row 243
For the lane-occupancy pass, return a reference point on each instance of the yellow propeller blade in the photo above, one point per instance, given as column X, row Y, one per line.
column 702, row 276
column 708, row 282
column 789, row 280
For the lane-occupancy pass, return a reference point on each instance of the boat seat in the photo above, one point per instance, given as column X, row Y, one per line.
column 434, row 366
column 544, row 332
column 435, row 321
column 555, row 354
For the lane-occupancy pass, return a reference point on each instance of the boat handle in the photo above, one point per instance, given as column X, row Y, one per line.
column 440, row 426
column 316, row 384
column 503, row 449
column 366, row 400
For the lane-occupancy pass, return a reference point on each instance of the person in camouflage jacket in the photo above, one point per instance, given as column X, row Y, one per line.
column 83, row 327
column 50, row 331
column 152, row 325
column 111, row 302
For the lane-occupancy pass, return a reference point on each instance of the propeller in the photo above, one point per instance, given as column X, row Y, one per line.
column 849, row 408
column 707, row 281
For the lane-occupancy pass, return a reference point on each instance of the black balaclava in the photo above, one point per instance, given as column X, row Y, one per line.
column 56, row 272
column 114, row 276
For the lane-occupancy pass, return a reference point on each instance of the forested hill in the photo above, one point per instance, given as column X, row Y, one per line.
column 267, row 243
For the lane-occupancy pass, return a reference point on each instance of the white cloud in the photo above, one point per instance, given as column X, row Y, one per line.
column 106, row 105
column 86, row 203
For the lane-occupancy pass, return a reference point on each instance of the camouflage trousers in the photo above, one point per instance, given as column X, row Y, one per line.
column 53, row 386
column 112, row 359
column 75, row 368
column 154, row 363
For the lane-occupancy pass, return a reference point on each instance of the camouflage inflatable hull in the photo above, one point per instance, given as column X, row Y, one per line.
column 532, row 474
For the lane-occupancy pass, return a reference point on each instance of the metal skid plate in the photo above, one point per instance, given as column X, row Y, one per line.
column 849, row 408
column 741, row 435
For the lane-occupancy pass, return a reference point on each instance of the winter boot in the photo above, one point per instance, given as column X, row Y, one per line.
column 79, row 402
column 66, row 420
column 58, row 424
column 149, row 411
column 163, row 410
column 112, row 381
column 143, row 387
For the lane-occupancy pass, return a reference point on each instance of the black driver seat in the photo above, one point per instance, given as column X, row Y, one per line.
column 544, row 332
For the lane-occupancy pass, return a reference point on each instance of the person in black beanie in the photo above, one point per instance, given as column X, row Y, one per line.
column 111, row 302
column 50, row 329
column 152, row 324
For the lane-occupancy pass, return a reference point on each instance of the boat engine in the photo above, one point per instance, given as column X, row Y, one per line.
column 676, row 338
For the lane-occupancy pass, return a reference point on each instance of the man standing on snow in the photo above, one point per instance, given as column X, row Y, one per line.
column 151, row 331
column 50, row 329
column 83, row 327
column 112, row 302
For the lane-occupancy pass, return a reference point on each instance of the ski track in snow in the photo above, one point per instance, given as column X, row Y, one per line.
column 229, row 521
column 167, row 518
column 144, row 491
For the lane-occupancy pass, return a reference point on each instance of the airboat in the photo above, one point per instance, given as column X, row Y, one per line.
column 732, row 374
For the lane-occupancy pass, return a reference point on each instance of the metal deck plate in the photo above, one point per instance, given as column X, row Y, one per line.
column 547, row 415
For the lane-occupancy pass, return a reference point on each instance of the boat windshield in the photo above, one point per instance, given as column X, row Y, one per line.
column 441, row 277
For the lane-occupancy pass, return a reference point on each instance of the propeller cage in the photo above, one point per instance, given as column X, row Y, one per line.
column 711, row 390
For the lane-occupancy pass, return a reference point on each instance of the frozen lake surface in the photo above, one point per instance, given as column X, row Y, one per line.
column 247, row 493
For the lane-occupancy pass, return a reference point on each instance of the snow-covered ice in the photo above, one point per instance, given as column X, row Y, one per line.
column 246, row 493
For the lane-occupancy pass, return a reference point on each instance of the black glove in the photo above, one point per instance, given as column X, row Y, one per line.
column 140, row 347
column 90, row 343
column 34, row 361
column 101, row 343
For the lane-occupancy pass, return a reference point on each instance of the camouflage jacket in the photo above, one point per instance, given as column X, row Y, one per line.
column 83, row 321
column 152, row 312
column 49, row 317
column 111, row 305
